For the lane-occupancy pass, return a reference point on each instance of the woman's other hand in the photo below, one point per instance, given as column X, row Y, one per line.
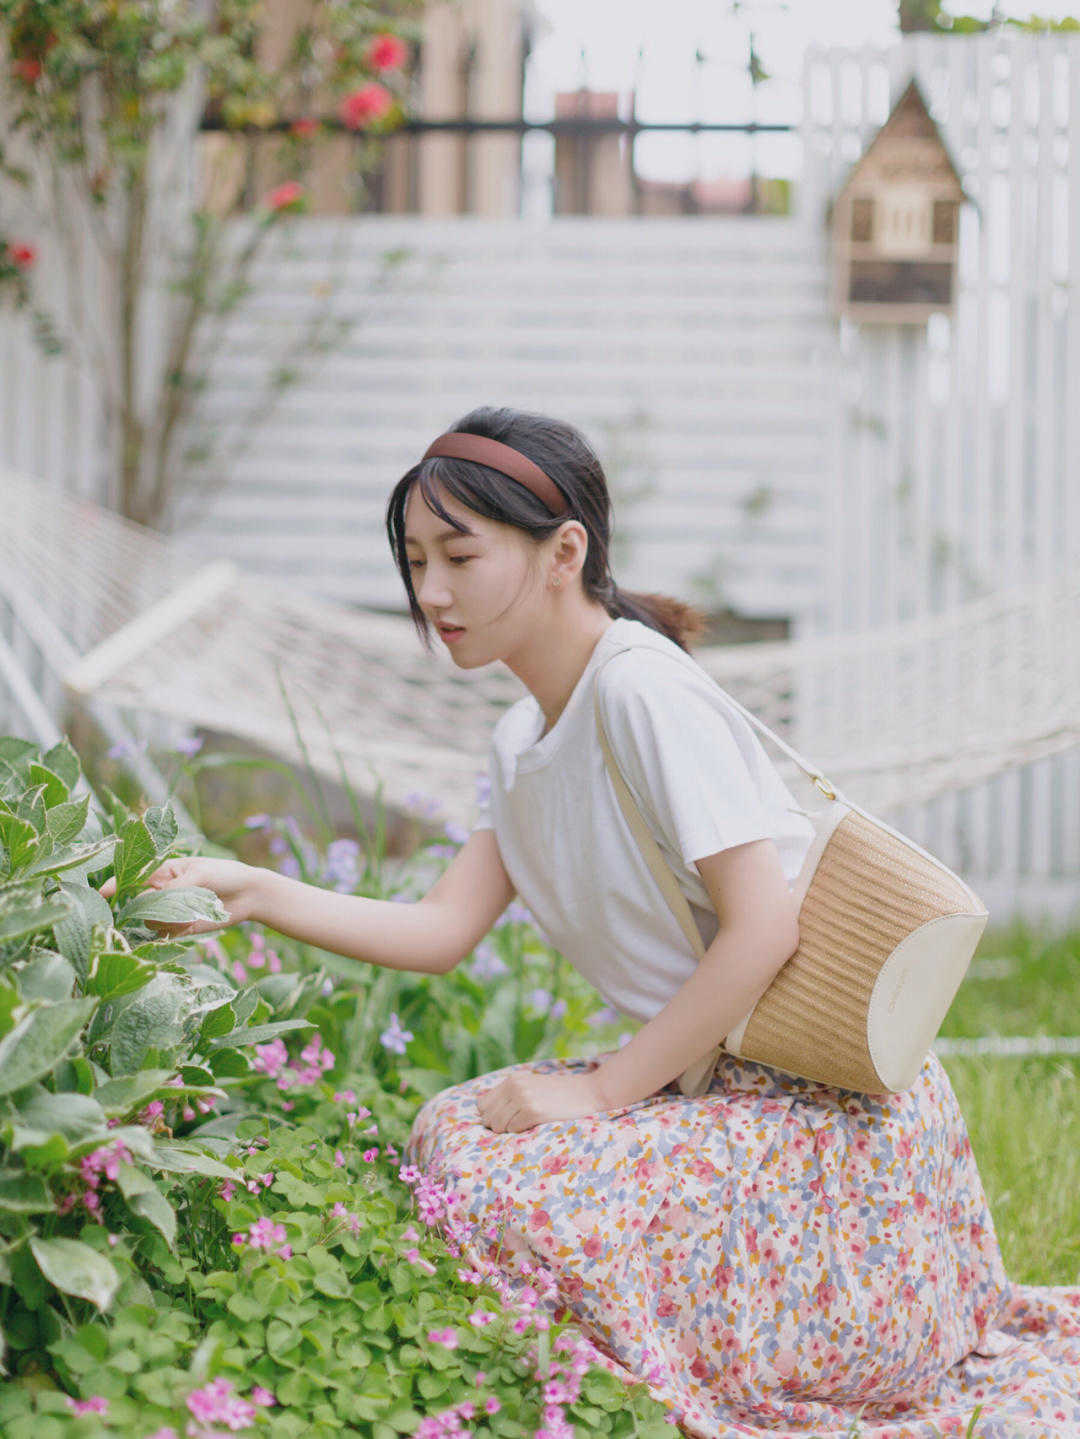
column 230, row 879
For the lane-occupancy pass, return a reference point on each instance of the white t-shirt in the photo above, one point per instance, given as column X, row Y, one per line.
column 697, row 771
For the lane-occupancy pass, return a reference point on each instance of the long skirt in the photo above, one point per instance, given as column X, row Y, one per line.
column 774, row 1256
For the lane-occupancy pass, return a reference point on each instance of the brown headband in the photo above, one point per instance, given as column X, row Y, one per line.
column 460, row 445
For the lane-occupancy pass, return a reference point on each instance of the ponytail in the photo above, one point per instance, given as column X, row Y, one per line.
column 679, row 621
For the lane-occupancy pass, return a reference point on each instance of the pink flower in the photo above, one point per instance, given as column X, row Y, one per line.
column 387, row 52
column 305, row 127
column 228, row 1189
column 447, row 1336
column 96, row 1405
column 265, row 1232
column 414, row 1257
column 289, row 196
column 370, row 1156
column 239, row 973
column 339, row 1159
column 216, row 1403
column 262, row 1396
column 269, row 1058
column 370, row 102
column 22, row 256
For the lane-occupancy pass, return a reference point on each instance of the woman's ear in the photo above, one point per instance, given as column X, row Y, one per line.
column 571, row 548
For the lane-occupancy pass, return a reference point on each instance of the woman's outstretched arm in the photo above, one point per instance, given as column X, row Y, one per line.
column 430, row 935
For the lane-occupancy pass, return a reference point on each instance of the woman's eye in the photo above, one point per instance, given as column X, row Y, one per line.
column 454, row 560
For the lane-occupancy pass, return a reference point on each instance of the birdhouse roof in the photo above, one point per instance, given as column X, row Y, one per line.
column 910, row 118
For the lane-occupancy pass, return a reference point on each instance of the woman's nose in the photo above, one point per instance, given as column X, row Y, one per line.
column 432, row 589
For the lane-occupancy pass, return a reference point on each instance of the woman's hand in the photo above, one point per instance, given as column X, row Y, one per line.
column 230, row 879
column 525, row 1099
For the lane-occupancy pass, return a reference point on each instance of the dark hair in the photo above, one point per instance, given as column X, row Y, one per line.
column 562, row 452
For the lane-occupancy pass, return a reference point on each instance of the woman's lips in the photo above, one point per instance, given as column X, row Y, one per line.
column 451, row 635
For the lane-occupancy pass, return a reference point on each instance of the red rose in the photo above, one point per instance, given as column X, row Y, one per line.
column 27, row 70
column 289, row 196
column 370, row 102
column 387, row 52
column 305, row 127
column 22, row 255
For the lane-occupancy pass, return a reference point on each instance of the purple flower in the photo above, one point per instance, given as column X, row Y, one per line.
column 342, row 864
column 394, row 1037
column 487, row 964
column 517, row 913
column 190, row 746
column 423, row 804
column 258, row 821
column 539, row 999
column 605, row 1015
column 127, row 749
column 456, row 832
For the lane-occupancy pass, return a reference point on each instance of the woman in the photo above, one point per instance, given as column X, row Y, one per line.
column 774, row 1255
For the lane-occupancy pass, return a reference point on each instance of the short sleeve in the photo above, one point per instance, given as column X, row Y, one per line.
column 678, row 747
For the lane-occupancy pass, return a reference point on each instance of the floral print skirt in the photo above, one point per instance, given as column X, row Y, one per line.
column 774, row 1256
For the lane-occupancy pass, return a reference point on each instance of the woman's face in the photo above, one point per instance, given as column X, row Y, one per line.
column 486, row 582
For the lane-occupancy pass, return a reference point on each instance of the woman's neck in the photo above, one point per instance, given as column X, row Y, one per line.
column 556, row 661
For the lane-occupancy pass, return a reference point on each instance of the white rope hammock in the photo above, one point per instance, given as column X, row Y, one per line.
column 894, row 716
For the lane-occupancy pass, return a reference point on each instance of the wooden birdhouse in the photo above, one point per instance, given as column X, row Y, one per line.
column 895, row 223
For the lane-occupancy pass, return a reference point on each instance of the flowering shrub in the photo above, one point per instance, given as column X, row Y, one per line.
column 101, row 109
column 207, row 1225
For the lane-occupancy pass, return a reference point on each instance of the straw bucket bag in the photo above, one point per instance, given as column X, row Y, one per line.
column 886, row 934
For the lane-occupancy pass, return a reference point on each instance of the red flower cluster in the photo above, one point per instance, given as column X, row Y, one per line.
column 289, row 196
column 387, row 52
column 370, row 102
column 21, row 256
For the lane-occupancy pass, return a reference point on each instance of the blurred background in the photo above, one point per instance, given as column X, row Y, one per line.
column 807, row 276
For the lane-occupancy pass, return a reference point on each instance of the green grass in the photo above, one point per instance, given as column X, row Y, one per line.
column 1023, row 1115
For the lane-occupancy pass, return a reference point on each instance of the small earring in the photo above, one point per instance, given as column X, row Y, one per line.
column 556, row 581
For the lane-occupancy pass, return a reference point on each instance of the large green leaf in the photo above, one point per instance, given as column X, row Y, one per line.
column 66, row 822
column 74, row 934
column 63, row 760
column 29, row 918
column 56, row 791
column 115, row 972
column 22, row 1193
column 81, row 855
column 15, row 751
column 145, row 1198
column 161, row 822
column 77, row 1117
column 135, row 854
column 45, row 975
column 259, row 1033
column 155, row 1017
column 174, row 906
column 31, row 806
column 20, row 840
column 187, row 1159
column 77, row 1269
column 40, row 1040
column 117, row 1096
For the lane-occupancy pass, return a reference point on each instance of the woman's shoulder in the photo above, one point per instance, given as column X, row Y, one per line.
column 651, row 668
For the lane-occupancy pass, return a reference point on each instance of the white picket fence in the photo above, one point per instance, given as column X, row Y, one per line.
column 958, row 471
column 840, row 477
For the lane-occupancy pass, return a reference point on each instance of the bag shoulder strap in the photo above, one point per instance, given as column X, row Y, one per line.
column 669, row 887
